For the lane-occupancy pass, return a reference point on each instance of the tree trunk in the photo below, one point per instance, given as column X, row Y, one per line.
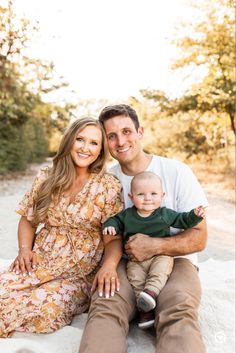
column 232, row 123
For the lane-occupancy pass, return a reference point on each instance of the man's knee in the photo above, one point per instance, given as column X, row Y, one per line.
column 109, row 310
column 121, row 306
column 184, row 299
column 179, row 304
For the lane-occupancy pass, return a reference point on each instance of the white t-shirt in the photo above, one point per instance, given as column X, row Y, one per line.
column 182, row 189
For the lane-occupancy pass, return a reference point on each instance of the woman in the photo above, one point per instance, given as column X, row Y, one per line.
column 51, row 278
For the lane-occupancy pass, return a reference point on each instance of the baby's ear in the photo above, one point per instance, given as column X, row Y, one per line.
column 130, row 196
column 163, row 194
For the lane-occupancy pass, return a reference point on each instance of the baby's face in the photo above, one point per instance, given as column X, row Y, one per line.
column 147, row 194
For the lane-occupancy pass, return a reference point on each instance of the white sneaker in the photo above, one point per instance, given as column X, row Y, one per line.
column 146, row 302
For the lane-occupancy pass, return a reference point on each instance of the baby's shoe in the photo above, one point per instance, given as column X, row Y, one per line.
column 146, row 320
column 146, row 300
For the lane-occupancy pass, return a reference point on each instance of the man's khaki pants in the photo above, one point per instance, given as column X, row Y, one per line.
column 151, row 274
column 176, row 315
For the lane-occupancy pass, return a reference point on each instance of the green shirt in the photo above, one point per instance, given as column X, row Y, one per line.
column 129, row 222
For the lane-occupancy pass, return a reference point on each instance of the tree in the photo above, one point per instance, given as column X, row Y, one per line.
column 211, row 45
column 204, row 114
column 26, row 120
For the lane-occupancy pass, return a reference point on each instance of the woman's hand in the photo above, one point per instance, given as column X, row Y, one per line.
column 25, row 262
column 107, row 282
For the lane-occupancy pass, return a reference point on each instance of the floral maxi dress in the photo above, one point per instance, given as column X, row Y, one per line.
column 69, row 248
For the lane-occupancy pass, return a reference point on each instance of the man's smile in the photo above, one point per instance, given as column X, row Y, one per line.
column 123, row 150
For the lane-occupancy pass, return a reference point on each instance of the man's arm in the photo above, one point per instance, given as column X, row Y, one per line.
column 141, row 247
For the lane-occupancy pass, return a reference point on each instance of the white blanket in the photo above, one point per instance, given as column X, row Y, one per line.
column 217, row 313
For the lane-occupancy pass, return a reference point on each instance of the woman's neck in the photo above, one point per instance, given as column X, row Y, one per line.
column 82, row 176
column 81, row 173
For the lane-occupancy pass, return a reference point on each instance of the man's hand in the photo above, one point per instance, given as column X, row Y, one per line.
column 139, row 247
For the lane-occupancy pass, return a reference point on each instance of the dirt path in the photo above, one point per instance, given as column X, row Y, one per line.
column 220, row 217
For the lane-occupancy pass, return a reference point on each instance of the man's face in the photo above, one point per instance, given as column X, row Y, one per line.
column 124, row 141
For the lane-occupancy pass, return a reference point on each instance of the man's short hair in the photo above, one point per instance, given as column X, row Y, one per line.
column 112, row 111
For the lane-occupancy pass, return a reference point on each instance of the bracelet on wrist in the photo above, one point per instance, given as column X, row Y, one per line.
column 24, row 247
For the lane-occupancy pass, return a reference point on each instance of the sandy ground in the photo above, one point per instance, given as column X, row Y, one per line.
column 220, row 218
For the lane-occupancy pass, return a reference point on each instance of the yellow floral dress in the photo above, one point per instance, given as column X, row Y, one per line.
column 69, row 248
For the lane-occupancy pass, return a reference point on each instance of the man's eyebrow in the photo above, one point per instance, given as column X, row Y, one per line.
column 123, row 128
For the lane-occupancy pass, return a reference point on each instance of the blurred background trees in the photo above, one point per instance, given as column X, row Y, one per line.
column 198, row 124
column 27, row 122
column 202, row 121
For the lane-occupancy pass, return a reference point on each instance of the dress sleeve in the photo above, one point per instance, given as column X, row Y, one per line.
column 26, row 206
column 113, row 197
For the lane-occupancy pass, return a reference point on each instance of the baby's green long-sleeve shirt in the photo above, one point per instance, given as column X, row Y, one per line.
column 129, row 222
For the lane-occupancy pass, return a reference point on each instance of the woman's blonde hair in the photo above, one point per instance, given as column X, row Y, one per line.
column 62, row 174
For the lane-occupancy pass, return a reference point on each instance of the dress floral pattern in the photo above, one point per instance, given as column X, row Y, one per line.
column 69, row 248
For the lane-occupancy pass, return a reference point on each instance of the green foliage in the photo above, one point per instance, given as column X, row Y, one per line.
column 26, row 121
column 11, row 156
column 211, row 45
column 21, row 145
column 202, row 120
column 35, row 140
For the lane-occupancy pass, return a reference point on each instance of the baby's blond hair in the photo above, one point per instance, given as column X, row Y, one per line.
column 143, row 176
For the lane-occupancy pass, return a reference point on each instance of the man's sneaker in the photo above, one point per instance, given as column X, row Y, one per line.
column 146, row 300
column 146, row 320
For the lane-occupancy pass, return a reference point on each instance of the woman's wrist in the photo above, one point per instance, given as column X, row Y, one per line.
column 25, row 247
column 110, row 264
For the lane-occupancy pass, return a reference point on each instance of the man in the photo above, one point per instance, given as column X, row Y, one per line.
column 177, row 327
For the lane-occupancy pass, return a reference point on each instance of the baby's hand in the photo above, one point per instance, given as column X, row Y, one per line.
column 200, row 211
column 109, row 231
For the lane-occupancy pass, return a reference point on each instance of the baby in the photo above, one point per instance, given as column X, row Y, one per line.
column 146, row 216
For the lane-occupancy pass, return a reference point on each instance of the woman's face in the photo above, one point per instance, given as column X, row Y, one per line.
column 87, row 146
